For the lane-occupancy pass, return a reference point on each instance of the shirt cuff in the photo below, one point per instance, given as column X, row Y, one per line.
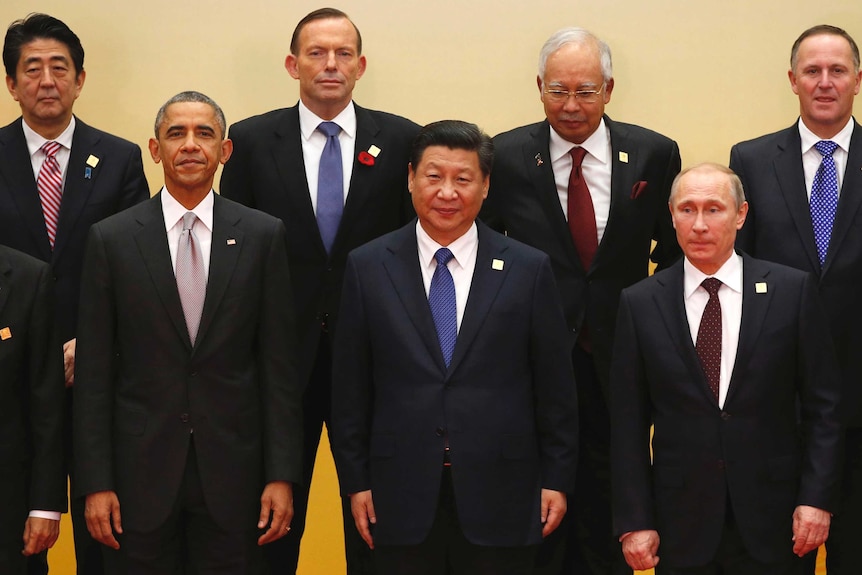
column 52, row 515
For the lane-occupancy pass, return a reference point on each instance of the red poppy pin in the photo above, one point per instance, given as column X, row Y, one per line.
column 366, row 159
column 638, row 189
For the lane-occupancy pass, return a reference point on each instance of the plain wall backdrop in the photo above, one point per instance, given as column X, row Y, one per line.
column 707, row 74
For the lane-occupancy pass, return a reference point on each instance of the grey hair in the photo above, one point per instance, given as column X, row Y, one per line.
column 736, row 189
column 577, row 36
column 191, row 96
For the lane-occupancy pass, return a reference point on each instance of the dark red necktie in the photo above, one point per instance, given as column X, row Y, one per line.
column 580, row 211
column 708, row 344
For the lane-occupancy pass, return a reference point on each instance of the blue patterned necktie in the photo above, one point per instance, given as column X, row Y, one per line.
column 441, row 298
column 330, row 185
column 824, row 198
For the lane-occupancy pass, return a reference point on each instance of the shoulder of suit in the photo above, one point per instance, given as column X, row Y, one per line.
column 517, row 136
column 766, row 140
column 266, row 119
column 638, row 132
column 249, row 215
column 106, row 138
column 20, row 261
column 774, row 270
column 389, row 119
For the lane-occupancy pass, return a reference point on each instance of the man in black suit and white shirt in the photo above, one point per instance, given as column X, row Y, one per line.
column 97, row 175
column 788, row 222
column 329, row 207
column 592, row 194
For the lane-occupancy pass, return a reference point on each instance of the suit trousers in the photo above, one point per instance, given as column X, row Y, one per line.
column 13, row 515
column 447, row 551
column 282, row 556
column 584, row 543
column 842, row 555
column 189, row 541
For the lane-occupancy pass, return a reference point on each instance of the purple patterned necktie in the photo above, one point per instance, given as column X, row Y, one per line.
column 708, row 344
column 824, row 198
column 441, row 298
column 191, row 279
column 330, row 185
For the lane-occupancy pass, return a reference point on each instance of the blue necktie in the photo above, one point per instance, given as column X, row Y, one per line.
column 330, row 185
column 824, row 198
column 441, row 298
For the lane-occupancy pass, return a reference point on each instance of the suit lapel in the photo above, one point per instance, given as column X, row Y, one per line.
column 362, row 179
column 671, row 305
column 754, row 307
column 79, row 182
column 16, row 169
column 152, row 243
column 536, row 155
column 483, row 291
column 623, row 178
column 403, row 269
column 850, row 198
column 791, row 181
column 223, row 258
column 5, row 271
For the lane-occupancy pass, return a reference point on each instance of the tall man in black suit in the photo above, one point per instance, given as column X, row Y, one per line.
column 454, row 407
column 729, row 359
column 591, row 193
column 783, row 174
column 98, row 175
column 187, row 408
column 32, row 478
column 277, row 168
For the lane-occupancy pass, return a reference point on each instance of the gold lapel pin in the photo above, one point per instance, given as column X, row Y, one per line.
column 231, row 242
column 373, row 151
column 624, row 157
column 497, row 265
column 92, row 161
column 760, row 287
column 5, row 333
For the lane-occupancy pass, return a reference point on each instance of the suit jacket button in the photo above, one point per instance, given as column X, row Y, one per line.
column 725, row 416
column 184, row 418
column 439, row 432
column 721, row 463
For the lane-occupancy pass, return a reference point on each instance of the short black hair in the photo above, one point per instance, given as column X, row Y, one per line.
column 322, row 14
column 455, row 135
column 196, row 97
column 39, row 26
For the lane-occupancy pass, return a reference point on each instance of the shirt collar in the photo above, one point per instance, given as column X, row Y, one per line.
column 596, row 145
column 309, row 121
column 462, row 248
column 730, row 274
column 174, row 211
column 842, row 138
column 36, row 141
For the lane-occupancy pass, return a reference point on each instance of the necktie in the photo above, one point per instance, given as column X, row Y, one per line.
column 191, row 280
column 441, row 298
column 580, row 211
column 708, row 344
column 50, row 184
column 824, row 197
column 330, row 185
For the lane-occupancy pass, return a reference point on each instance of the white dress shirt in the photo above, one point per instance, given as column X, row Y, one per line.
column 461, row 266
column 596, row 169
column 35, row 143
column 174, row 211
column 313, row 142
column 730, row 297
column 811, row 158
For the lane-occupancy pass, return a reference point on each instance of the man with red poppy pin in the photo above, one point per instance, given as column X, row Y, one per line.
column 282, row 165
column 624, row 173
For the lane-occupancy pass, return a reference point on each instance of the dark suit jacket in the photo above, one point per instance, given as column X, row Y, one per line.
column 115, row 183
column 266, row 171
column 523, row 202
column 754, row 450
column 778, row 228
column 141, row 388
column 31, row 384
column 506, row 402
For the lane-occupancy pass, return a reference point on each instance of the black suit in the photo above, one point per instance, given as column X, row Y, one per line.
column 116, row 182
column 523, row 202
column 31, row 402
column 142, row 388
column 267, row 172
column 506, row 404
column 778, row 228
column 774, row 445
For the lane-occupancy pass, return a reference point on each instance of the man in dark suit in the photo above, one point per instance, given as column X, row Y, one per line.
column 454, row 407
column 729, row 359
column 278, row 166
column 591, row 193
column 97, row 175
column 787, row 223
column 187, row 404
column 32, row 479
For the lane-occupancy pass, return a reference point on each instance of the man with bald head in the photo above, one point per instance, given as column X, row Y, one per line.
column 591, row 193
column 804, row 187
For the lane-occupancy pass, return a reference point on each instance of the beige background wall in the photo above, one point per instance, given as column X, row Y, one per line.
column 708, row 74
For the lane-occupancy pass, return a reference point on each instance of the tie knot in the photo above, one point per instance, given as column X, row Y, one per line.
column 189, row 219
column 50, row 149
column 443, row 256
column 329, row 129
column 711, row 285
column 578, row 154
column 826, row 147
